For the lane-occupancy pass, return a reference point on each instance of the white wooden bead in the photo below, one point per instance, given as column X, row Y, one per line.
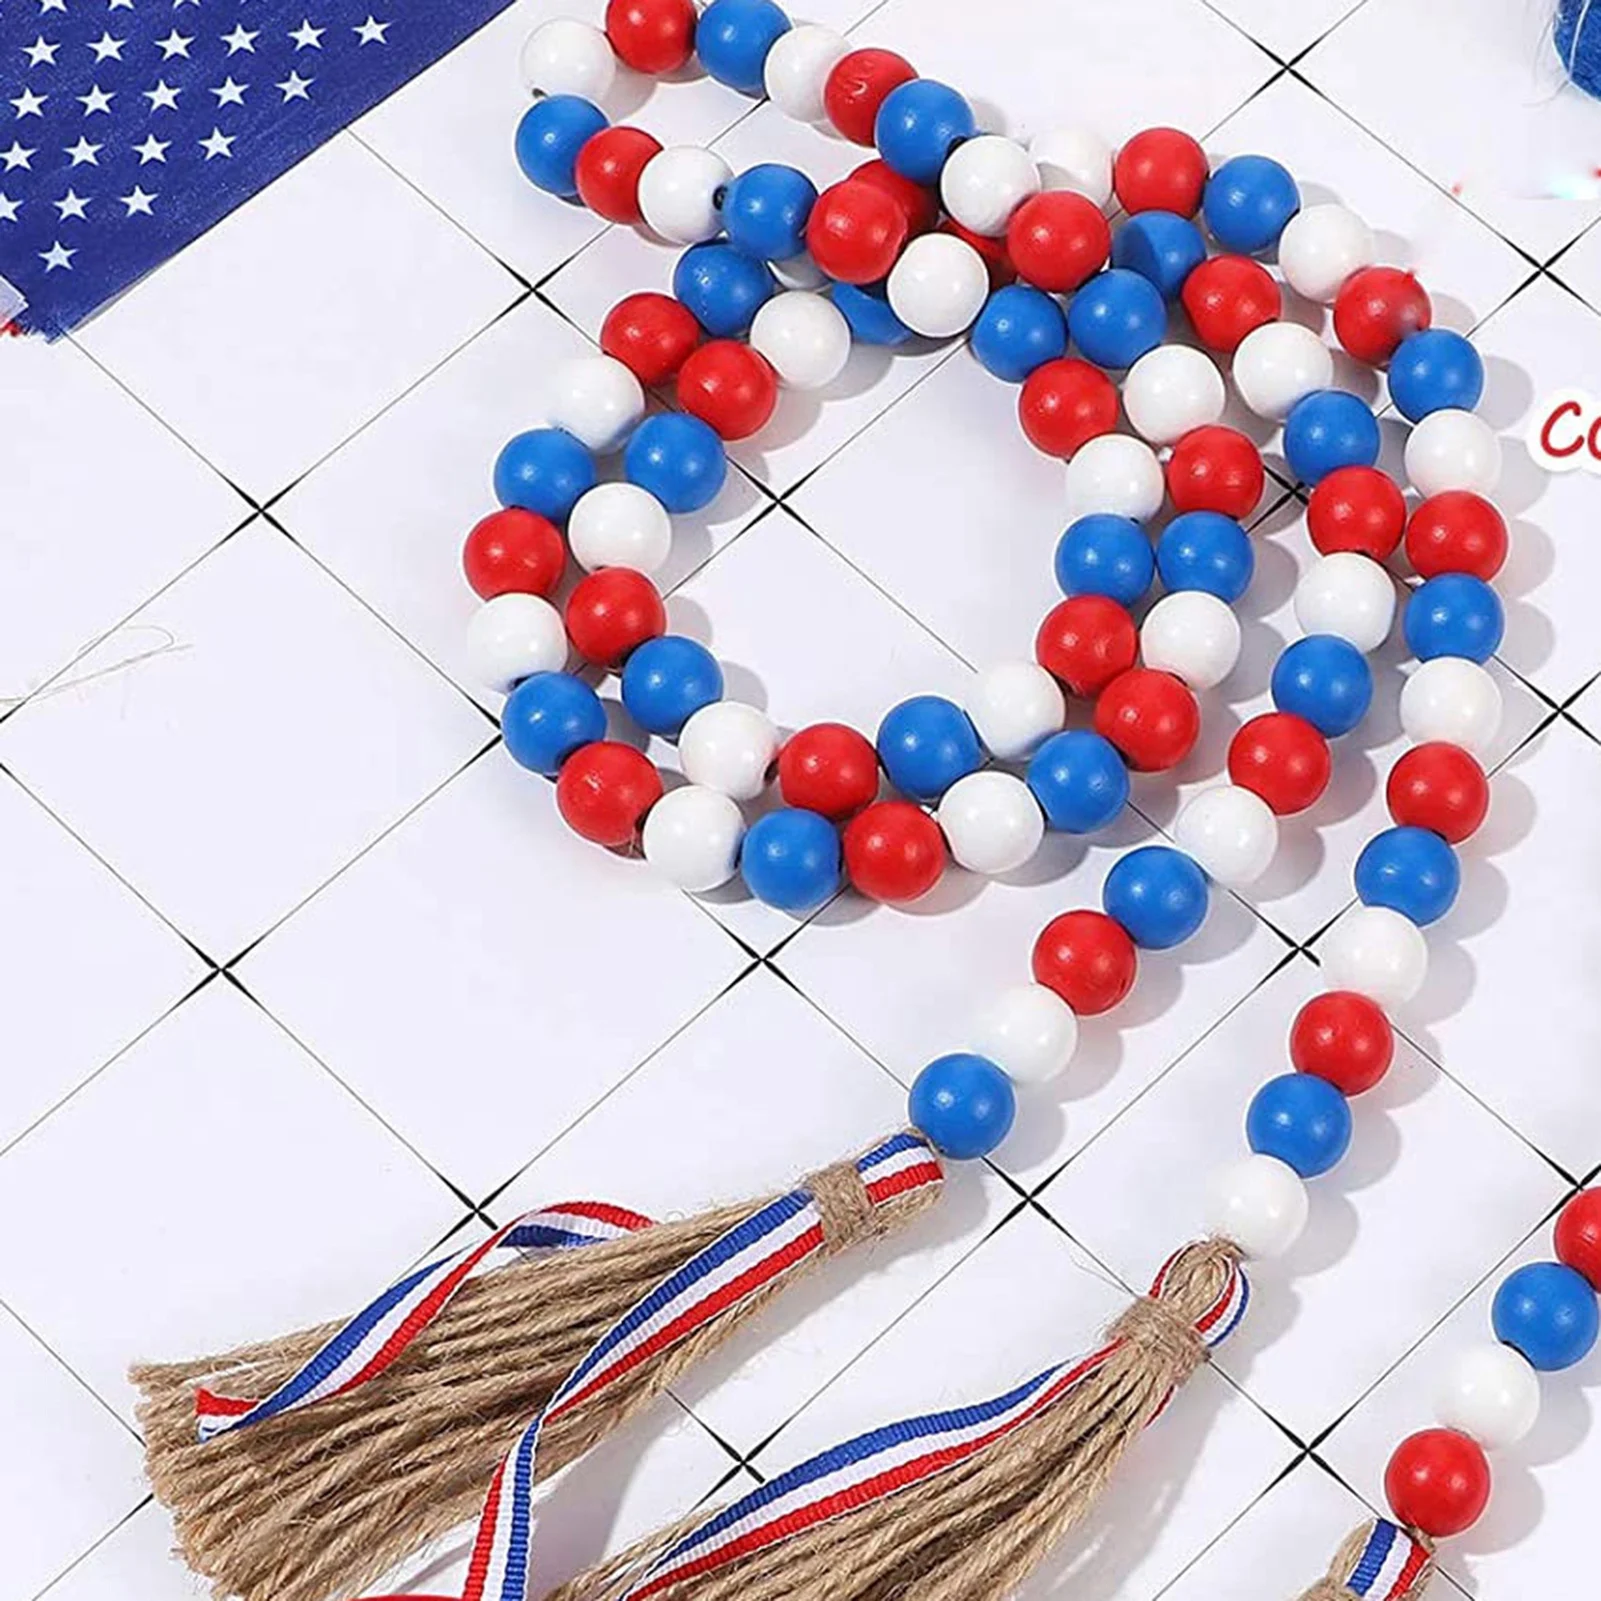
column 511, row 638
column 1277, row 365
column 1074, row 158
column 691, row 837
column 804, row 336
column 597, row 400
column 1377, row 953
column 1171, row 390
column 938, row 286
column 1115, row 474
column 1260, row 1203
column 798, row 66
column 728, row 747
column 1452, row 699
column 1453, row 450
column 1193, row 634
column 620, row 525
column 1030, row 1033
column 678, row 193
column 1231, row 833
column 985, row 180
column 1491, row 1394
column 1321, row 247
column 991, row 821
column 1348, row 594
column 567, row 57
column 1015, row 706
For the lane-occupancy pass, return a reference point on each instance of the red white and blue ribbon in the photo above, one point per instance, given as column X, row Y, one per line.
column 889, row 1460
column 746, row 1261
column 1389, row 1565
column 370, row 1342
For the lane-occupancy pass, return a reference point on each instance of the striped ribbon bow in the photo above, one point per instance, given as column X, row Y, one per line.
column 888, row 1460
column 753, row 1256
column 1389, row 1565
column 369, row 1343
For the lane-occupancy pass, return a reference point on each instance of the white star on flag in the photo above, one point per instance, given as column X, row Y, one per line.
column 52, row 5
column 57, row 256
column 372, row 31
column 71, row 204
column 96, row 100
column 83, row 152
column 294, row 87
column 153, row 149
column 28, row 104
column 241, row 39
column 163, row 96
column 138, row 201
column 8, row 207
column 41, row 53
column 218, row 143
column 105, row 47
column 17, row 156
column 230, row 93
column 306, row 36
column 175, row 44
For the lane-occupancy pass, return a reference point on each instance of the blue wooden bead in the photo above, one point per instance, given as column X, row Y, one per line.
column 765, row 209
column 1207, row 551
column 1547, row 1311
column 677, row 458
column 1158, row 894
column 1327, row 430
column 1116, row 318
column 1080, row 781
column 1435, row 370
column 547, row 717
column 1103, row 554
column 1412, row 871
column 1160, row 246
column 964, row 1104
column 1326, row 680
column 544, row 470
column 791, row 859
column 918, row 125
column 667, row 680
column 1302, row 1120
column 869, row 315
column 926, row 744
column 552, row 132
column 1454, row 614
column 1249, row 202
column 1018, row 329
column 722, row 286
column 733, row 37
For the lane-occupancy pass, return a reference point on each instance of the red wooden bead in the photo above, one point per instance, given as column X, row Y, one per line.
column 1345, row 1038
column 1086, row 641
column 1358, row 509
column 1088, row 959
column 513, row 552
column 1579, row 1235
column 1058, row 240
column 1064, row 404
column 604, row 790
column 1438, row 1481
column 1282, row 758
column 612, row 611
column 920, row 204
column 1216, row 469
column 857, row 86
column 651, row 335
column 1152, row 717
column 608, row 168
column 1439, row 787
column 728, row 386
column 997, row 259
column 1160, row 169
column 1376, row 309
column 652, row 36
column 894, row 851
column 828, row 768
column 1228, row 297
column 1456, row 532
column 855, row 231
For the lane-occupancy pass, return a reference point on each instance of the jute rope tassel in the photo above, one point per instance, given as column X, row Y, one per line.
column 1377, row 1562
column 958, row 1506
column 322, row 1501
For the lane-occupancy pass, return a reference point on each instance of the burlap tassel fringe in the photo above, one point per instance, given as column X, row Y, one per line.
column 1335, row 1585
column 976, row 1530
column 324, row 1501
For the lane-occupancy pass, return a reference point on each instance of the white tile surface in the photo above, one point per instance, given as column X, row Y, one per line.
column 263, row 391
column 241, row 782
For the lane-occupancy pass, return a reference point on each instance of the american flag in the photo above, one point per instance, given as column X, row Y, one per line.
column 129, row 127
